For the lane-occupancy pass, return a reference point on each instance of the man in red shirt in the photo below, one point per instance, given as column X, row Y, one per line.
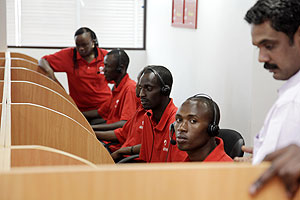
column 124, row 101
column 196, row 128
column 128, row 136
column 155, row 86
column 84, row 67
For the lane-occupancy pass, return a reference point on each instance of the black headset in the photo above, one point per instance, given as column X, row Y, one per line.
column 165, row 89
column 119, row 68
column 213, row 128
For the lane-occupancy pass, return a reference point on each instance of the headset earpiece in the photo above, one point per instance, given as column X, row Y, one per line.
column 165, row 89
column 213, row 128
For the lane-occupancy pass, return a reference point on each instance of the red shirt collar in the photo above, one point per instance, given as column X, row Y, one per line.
column 217, row 154
column 122, row 83
column 169, row 111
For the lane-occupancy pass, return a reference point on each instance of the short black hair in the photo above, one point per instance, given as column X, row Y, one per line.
column 121, row 56
column 94, row 39
column 284, row 15
column 214, row 110
column 163, row 72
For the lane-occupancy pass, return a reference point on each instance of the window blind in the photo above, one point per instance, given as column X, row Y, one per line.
column 41, row 23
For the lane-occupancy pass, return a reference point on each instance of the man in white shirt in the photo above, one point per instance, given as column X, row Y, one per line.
column 276, row 33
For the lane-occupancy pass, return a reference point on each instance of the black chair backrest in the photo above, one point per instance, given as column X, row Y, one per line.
column 233, row 141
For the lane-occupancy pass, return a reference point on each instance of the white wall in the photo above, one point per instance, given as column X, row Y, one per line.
column 217, row 58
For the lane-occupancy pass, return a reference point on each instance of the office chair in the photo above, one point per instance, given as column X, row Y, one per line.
column 233, row 142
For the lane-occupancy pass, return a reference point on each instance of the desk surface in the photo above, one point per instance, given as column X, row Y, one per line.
column 139, row 181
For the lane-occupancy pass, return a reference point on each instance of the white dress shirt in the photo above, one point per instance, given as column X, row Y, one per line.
column 282, row 125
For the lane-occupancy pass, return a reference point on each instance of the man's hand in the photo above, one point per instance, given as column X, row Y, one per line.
column 245, row 159
column 117, row 155
column 285, row 165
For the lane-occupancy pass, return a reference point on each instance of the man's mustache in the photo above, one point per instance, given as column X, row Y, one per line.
column 270, row 66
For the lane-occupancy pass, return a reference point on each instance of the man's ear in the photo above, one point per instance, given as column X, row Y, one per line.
column 297, row 37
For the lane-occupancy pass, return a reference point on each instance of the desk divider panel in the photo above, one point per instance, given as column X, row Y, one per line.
column 17, row 62
column 2, row 73
column 53, row 129
column 38, row 125
column 34, row 155
column 28, row 92
column 19, row 55
column 23, row 74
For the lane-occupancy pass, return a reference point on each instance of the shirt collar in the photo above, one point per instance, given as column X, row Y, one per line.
column 122, row 83
column 295, row 79
column 169, row 111
column 217, row 153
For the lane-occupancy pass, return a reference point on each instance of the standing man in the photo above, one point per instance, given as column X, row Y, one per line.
column 124, row 101
column 84, row 67
column 276, row 33
column 155, row 87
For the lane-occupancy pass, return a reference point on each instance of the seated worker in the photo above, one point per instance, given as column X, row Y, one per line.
column 124, row 101
column 129, row 135
column 155, row 86
column 84, row 67
column 196, row 128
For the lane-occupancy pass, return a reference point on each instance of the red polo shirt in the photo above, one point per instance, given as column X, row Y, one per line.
column 217, row 155
column 88, row 88
column 131, row 133
column 124, row 101
column 161, row 148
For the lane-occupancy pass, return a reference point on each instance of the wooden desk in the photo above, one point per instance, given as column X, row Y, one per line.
column 191, row 181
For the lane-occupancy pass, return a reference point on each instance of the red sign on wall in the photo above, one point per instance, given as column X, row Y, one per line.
column 177, row 16
column 184, row 13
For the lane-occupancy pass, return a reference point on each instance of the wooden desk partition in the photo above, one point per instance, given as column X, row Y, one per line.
column 17, row 62
column 33, row 155
column 1, row 73
column 23, row 74
column 19, row 55
column 37, row 112
column 191, row 181
column 28, row 92
column 38, row 125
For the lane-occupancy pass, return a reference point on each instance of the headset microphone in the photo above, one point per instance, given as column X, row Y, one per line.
column 149, row 115
column 173, row 142
column 98, row 72
column 172, row 130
